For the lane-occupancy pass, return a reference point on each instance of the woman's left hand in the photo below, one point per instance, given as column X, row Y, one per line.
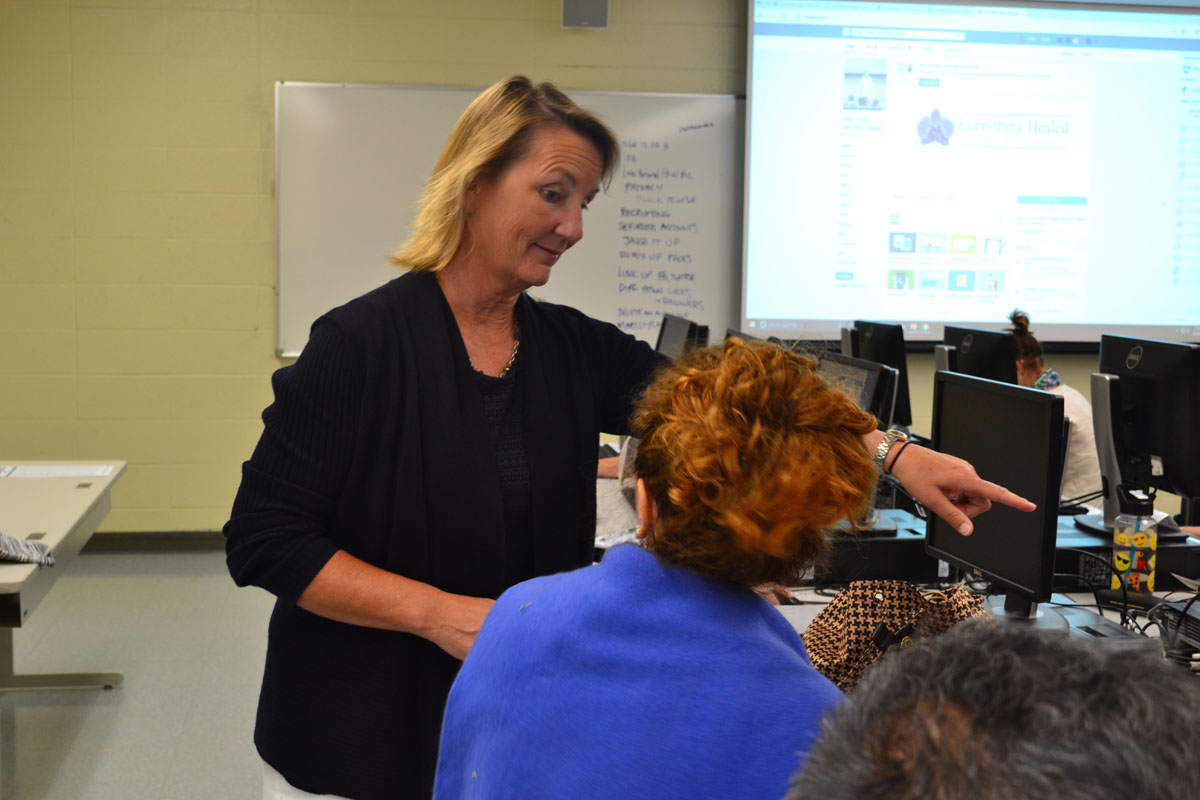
column 774, row 593
column 609, row 467
column 949, row 487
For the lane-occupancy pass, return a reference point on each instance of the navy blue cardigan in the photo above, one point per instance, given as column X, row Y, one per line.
column 377, row 444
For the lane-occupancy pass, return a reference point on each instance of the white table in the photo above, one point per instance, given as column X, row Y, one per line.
column 615, row 516
column 59, row 504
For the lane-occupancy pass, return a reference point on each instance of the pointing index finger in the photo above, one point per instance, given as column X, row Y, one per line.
column 998, row 494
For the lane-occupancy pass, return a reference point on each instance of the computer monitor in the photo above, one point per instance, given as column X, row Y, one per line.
column 979, row 352
column 1013, row 436
column 871, row 385
column 730, row 333
column 1146, row 403
column 883, row 343
column 677, row 336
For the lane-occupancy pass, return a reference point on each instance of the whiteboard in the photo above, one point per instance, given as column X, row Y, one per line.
column 351, row 161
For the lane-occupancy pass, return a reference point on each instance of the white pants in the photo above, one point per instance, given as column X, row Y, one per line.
column 276, row 787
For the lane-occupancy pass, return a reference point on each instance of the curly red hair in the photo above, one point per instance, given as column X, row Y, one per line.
column 750, row 458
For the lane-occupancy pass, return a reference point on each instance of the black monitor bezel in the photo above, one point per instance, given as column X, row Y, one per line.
column 894, row 355
column 878, row 384
column 940, row 537
column 1006, row 372
column 696, row 335
column 745, row 337
column 1174, row 368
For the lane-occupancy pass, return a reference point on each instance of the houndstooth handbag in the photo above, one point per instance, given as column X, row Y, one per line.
column 863, row 620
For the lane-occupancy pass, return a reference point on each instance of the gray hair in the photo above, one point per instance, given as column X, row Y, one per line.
column 995, row 714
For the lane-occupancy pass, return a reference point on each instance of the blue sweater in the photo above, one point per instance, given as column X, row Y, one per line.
column 630, row 679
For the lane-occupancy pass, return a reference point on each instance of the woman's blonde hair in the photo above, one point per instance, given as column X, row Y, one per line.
column 750, row 457
column 493, row 133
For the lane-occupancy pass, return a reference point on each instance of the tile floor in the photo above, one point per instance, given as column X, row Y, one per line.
column 190, row 645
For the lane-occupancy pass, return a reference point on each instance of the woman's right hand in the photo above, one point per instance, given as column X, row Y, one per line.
column 457, row 620
column 350, row 590
column 949, row 487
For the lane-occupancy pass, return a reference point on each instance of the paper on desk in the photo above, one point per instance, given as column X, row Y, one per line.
column 24, row 551
column 614, row 538
column 1188, row 582
column 55, row 470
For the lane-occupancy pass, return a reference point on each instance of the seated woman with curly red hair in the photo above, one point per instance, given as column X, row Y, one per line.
column 659, row 672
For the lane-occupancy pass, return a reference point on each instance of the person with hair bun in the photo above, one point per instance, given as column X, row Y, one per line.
column 660, row 672
column 1083, row 463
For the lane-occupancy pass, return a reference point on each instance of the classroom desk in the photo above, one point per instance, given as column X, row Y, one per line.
column 62, row 510
column 811, row 604
column 615, row 519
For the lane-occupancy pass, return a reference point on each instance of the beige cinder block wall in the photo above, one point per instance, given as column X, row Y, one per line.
column 137, row 240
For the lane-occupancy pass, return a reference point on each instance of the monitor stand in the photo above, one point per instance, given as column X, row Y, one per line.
column 1013, row 611
column 1065, row 618
column 1094, row 523
column 1189, row 510
column 881, row 525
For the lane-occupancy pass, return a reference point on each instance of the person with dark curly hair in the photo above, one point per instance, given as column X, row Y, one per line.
column 659, row 672
column 995, row 713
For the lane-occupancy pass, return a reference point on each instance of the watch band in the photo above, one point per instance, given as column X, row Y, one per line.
column 885, row 446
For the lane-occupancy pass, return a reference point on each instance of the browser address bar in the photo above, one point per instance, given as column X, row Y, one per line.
column 902, row 33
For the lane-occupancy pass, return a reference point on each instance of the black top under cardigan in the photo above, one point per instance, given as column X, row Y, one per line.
column 377, row 444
